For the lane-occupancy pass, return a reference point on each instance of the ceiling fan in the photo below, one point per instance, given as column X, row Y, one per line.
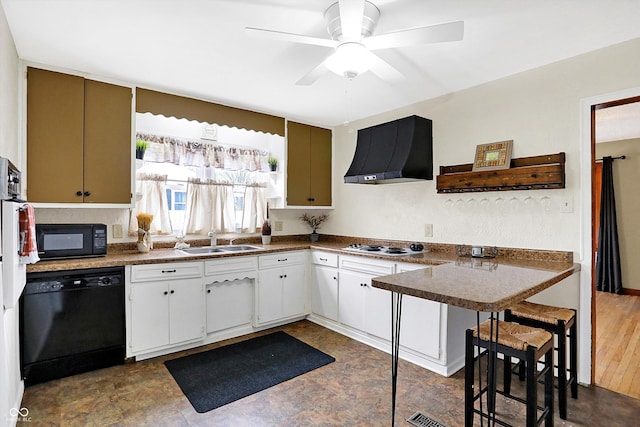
column 350, row 24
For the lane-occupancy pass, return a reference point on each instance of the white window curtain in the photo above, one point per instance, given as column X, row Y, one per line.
column 210, row 206
column 152, row 190
column 255, row 208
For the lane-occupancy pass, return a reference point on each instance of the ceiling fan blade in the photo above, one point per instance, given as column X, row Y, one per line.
column 386, row 72
column 351, row 15
column 313, row 75
column 290, row 37
column 452, row 31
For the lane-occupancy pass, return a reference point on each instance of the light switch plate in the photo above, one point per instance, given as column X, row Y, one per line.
column 566, row 204
column 117, row 231
column 428, row 230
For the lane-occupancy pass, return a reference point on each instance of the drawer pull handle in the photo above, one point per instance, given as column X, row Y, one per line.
column 282, row 259
column 208, row 291
column 168, row 271
column 166, row 293
column 324, row 259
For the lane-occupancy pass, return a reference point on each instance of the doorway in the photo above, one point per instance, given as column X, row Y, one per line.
column 616, row 318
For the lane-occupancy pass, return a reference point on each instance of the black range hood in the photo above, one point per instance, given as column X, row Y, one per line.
column 397, row 151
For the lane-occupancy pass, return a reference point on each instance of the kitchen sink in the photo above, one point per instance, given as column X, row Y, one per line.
column 201, row 251
column 219, row 249
column 239, row 248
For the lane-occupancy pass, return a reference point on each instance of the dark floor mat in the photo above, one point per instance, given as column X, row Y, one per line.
column 216, row 377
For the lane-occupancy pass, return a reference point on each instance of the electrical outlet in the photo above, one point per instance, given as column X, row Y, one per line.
column 117, row 231
column 566, row 204
column 428, row 230
column 277, row 225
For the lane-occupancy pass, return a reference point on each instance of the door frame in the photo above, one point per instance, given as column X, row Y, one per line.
column 586, row 313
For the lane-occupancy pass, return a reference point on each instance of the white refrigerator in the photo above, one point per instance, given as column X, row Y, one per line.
column 14, row 276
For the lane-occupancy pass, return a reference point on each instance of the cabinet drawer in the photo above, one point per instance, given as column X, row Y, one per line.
column 230, row 265
column 281, row 259
column 378, row 268
column 178, row 270
column 324, row 258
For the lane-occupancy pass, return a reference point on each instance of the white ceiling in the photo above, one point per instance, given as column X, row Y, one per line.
column 199, row 48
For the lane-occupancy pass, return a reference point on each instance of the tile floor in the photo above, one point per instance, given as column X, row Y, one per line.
column 353, row 391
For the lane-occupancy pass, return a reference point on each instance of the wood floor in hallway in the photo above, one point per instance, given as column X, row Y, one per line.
column 355, row 390
column 618, row 343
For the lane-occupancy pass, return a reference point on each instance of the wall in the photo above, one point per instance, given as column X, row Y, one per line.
column 626, row 175
column 11, row 388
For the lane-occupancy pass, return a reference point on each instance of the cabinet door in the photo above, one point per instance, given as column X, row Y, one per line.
column 294, row 291
column 377, row 312
column 107, row 143
column 421, row 319
column 149, row 316
column 298, row 164
column 320, row 167
column 420, row 325
column 351, row 299
column 186, row 310
column 308, row 165
column 269, row 295
column 229, row 304
column 324, row 292
column 55, row 114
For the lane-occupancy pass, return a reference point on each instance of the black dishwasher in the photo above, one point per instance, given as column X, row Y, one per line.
column 71, row 322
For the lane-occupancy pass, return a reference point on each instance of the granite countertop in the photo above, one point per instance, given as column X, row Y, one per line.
column 480, row 285
column 516, row 268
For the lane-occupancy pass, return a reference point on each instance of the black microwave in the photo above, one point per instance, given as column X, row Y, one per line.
column 71, row 240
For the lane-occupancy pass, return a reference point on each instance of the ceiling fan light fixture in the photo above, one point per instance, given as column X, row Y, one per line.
column 350, row 59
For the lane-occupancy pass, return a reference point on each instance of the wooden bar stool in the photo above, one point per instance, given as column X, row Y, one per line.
column 513, row 340
column 558, row 321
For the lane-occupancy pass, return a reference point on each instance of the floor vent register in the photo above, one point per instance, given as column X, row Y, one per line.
column 420, row 420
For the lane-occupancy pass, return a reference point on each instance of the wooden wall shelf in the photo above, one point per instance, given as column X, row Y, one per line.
column 525, row 173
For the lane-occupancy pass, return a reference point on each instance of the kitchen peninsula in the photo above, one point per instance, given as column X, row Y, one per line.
column 459, row 285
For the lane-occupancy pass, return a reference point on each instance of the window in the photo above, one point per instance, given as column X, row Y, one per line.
column 182, row 151
column 178, row 175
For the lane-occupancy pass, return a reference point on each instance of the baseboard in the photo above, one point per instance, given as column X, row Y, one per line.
column 634, row 292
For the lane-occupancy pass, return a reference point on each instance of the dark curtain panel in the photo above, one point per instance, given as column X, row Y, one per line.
column 608, row 274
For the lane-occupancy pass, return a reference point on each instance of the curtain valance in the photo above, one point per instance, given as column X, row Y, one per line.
column 150, row 101
column 180, row 151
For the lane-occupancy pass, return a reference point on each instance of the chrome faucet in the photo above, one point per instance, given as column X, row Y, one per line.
column 231, row 241
column 214, row 240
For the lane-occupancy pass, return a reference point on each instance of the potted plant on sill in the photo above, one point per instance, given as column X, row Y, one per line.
column 314, row 222
column 266, row 232
column 273, row 163
column 141, row 147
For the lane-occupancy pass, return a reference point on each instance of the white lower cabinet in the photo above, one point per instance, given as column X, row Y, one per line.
column 420, row 322
column 324, row 285
column 282, row 287
column 175, row 306
column 165, row 306
column 229, row 292
column 361, row 306
column 229, row 304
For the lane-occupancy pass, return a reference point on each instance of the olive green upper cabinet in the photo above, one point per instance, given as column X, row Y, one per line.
column 79, row 147
column 308, row 165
